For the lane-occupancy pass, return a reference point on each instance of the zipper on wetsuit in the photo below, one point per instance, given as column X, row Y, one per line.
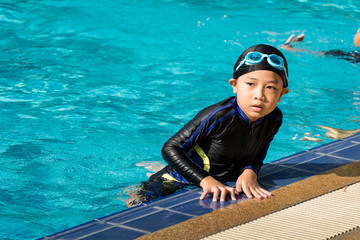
column 252, row 125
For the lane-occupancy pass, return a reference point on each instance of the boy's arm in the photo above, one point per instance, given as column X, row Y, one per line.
column 174, row 150
column 173, row 154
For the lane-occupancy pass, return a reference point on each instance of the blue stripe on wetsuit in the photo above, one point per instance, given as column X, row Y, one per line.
column 211, row 127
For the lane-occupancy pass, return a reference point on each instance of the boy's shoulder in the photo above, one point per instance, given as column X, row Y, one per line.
column 228, row 102
column 277, row 111
column 217, row 109
column 276, row 115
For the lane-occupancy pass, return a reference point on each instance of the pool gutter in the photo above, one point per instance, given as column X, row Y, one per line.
column 246, row 211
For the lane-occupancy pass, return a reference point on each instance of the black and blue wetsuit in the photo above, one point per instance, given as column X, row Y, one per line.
column 220, row 141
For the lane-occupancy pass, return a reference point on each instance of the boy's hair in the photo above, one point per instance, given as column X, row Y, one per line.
column 263, row 65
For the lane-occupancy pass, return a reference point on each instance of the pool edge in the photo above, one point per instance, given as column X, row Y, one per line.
column 283, row 197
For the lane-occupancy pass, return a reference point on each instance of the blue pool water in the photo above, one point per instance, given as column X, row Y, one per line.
column 89, row 89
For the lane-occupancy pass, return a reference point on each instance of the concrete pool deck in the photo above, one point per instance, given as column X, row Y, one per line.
column 293, row 180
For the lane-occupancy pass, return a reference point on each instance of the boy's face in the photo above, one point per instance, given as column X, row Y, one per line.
column 258, row 92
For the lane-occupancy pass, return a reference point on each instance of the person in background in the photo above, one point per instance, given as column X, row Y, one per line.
column 352, row 56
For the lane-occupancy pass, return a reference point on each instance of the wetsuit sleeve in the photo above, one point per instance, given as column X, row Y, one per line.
column 175, row 149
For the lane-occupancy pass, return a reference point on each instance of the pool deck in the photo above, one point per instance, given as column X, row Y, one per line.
column 293, row 180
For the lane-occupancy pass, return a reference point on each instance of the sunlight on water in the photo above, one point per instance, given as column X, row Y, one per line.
column 90, row 91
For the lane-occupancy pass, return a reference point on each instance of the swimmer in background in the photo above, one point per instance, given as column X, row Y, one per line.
column 352, row 56
column 227, row 141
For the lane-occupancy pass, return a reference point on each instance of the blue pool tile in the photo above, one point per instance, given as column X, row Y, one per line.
column 323, row 164
column 158, row 221
column 297, row 159
column 285, row 177
column 178, row 199
column 267, row 186
column 328, row 149
column 352, row 153
column 199, row 207
column 129, row 215
column 81, row 227
column 196, row 207
column 354, row 138
column 85, row 230
column 115, row 233
column 230, row 184
column 270, row 168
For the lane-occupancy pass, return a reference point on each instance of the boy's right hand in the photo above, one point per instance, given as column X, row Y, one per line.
column 212, row 186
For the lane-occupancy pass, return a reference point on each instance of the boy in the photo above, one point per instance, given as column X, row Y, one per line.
column 228, row 141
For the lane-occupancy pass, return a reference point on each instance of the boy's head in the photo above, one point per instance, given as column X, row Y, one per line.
column 262, row 57
column 260, row 80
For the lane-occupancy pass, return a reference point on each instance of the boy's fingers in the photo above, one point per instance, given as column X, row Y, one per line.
column 232, row 194
column 238, row 188
column 255, row 193
column 265, row 192
column 261, row 193
column 223, row 195
column 247, row 192
column 216, row 194
column 203, row 195
column 220, row 192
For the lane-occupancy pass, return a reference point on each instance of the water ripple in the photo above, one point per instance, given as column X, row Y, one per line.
column 87, row 89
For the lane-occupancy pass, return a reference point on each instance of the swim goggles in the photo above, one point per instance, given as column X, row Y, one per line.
column 274, row 60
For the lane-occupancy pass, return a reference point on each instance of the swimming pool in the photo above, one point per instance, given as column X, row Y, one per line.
column 88, row 90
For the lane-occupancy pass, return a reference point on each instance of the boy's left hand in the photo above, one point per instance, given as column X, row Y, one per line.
column 247, row 183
